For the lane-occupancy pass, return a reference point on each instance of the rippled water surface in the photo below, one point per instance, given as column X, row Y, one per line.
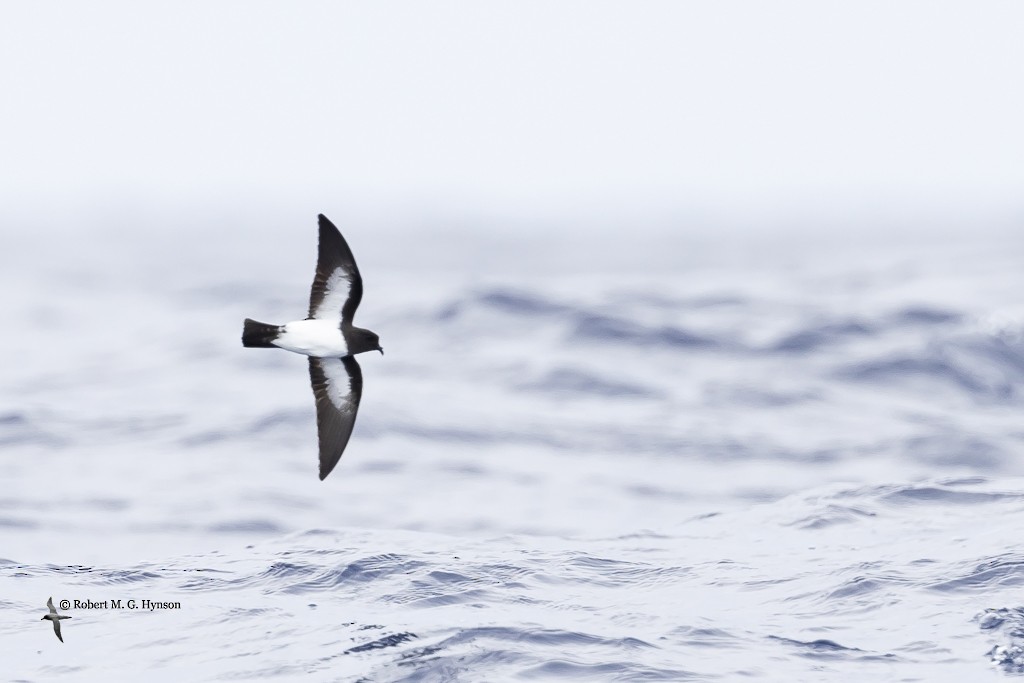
column 778, row 462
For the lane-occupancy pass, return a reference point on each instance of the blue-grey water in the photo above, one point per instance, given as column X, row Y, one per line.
column 772, row 461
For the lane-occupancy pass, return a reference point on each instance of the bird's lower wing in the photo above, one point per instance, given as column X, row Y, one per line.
column 56, row 629
column 337, row 388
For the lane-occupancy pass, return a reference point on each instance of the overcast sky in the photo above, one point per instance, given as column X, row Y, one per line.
column 561, row 104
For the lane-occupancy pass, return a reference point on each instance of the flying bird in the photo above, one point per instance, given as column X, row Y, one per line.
column 331, row 341
column 55, row 618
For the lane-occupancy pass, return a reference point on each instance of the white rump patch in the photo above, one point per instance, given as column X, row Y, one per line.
column 319, row 338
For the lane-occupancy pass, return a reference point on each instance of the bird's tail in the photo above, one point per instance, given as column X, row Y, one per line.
column 259, row 334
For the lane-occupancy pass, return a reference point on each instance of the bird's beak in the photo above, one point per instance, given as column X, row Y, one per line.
column 381, row 350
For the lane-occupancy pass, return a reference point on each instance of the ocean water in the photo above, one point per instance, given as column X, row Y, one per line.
column 683, row 460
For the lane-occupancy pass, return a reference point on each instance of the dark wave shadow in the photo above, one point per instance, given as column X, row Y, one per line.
column 608, row 329
column 576, row 382
column 824, row 334
column 982, row 367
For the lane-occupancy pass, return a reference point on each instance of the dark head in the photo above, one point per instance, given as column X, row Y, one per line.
column 360, row 340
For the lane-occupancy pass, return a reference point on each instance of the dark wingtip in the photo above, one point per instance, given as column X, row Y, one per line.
column 325, row 223
column 325, row 470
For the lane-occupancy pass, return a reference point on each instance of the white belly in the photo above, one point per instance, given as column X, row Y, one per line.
column 320, row 338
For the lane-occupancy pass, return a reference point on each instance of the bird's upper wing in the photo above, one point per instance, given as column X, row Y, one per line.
column 337, row 387
column 56, row 629
column 49, row 603
column 337, row 287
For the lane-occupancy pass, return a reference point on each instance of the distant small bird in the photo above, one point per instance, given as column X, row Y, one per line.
column 330, row 340
column 55, row 618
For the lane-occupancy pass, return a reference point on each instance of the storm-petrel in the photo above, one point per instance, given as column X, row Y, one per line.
column 330, row 340
column 55, row 618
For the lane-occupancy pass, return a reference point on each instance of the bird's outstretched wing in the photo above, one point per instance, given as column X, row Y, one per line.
column 337, row 287
column 49, row 603
column 337, row 387
column 56, row 629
